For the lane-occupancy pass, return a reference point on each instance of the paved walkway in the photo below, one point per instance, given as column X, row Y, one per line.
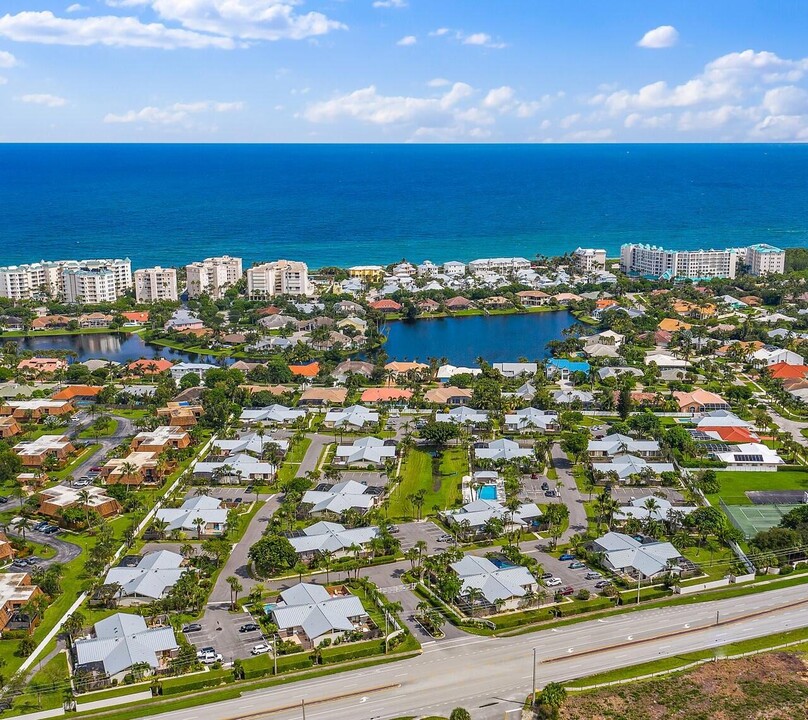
column 570, row 495
column 313, row 452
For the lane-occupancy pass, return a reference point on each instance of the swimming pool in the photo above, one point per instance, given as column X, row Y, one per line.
column 487, row 492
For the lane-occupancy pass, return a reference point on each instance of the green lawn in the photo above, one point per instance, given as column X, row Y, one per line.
column 130, row 413
column 734, row 484
column 108, row 429
column 440, row 479
column 292, row 461
column 71, row 466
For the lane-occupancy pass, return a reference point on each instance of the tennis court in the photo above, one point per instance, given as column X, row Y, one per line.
column 752, row 519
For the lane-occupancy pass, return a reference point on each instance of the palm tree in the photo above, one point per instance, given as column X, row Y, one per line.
column 187, row 551
column 235, row 588
column 473, row 596
column 199, row 523
column 160, row 526
column 84, row 498
column 23, row 524
column 327, row 556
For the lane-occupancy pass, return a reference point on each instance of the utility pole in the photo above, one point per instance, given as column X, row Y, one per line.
column 639, row 583
column 533, row 696
column 716, row 616
column 275, row 654
column 303, row 707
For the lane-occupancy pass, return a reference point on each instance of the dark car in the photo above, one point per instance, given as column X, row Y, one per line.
column 249, row 489
column 550, row 493
column 567, row 590
column 51, row 530
column 546, row 576
column 567, row 556
column 3, row 499
column 238, row 501
column 545, row 486
column 249, row 627
column 192, row 627
column 600, row 584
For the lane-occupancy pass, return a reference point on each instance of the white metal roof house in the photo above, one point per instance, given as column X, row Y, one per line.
column 273, row 414
column 308, row 614
column 364, row 451
column 463, row 415
column 355, row 416
column 121, row 641
column 750, row 457
column 332, row 537
column 628, row 465
column 251, row 443
column 515, row 369
column 660, row 509
column 502, row 449
column 531, row 418
column 338, row 498
column 151, row 578
column 237, row 468
column 478, row 512
column 629, row 556
column 182, row 518
column 617, row 444
column 502, row 587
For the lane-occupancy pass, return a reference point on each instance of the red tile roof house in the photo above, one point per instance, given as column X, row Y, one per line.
column 784, row 371
column 458, row 303
column 311, row 370
column 700, row 401
column 135, row 318
column 380, row 395
column 386, row 306
column 149, row 367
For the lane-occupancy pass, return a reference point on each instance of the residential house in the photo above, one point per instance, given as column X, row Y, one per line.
column 160, row 439
column 183, row 319
column 151, row 578
column 562, row 369
column 272, row 415
column 309, row 615
column 78, row 394
column 770, row 355
column 181, row 414
column 332, row 537
column 180, row 370
column 501, row 450
column 310, row 370
column 751, row 457
column 500, row 587
column 449, row 395
column 121, row 641
column 16, row 591
column 40, row 366
column 530, row 418
column 323, row 396
column 336, row 499
column 56, row 499
column 149, row 367
column 650, row 507
column 700, row 401
column 458, row 303
column 9, row 427
column 397, row 367
column 582, row 398
column 672, row 325
column 515, row 369
column 645, row 560
column 366, row 451
column 237, row 468
column 666, row 362
column 34, row 453
column 533, row 298
column 463, row 416
column 36, row 409
column 476, row 514
column 207, row 509
column 617, row 371
column 251, row 443
column 353, row 417
column 616, row 444
column 352, row 367
column 134, row 469
column 447, row 372
column 385, row 395
column 626, row 466
column 386, row 306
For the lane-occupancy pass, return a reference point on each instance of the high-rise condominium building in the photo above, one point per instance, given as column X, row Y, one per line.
column 284, row 277
column 764, row 259
column 22, row 282
column 654, row 261
column 213, row 276
column 589, row 260
column 156, row 283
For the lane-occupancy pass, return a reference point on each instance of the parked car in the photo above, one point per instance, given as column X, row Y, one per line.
column 249, row 627
column 211, row 658
column 96, row 468
column 577, row 565
column 546, row 576
column 238, row 501
column 249, row 489
column 40, row 526
column 567, row 556
column 206, row 651
column 393, row 528
column 600, row 584
column 593, row 575
column 554, row 582
column 545, row 485
column 567, row 590
column 3, row 499
column 445, row 538
column 51, row 530
column 84, row 482
column 259, row 649
column 550, row 493
column 192, row 627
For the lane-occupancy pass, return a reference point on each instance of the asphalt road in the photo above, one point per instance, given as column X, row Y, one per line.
column 492, row 676
column 570, row 496
column 65, row 551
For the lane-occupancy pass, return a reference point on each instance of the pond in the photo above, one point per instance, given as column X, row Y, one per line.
column 461, row 340
column 119, row 347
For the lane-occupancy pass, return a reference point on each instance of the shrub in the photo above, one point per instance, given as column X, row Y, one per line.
column 786, row 569
column 582, row 594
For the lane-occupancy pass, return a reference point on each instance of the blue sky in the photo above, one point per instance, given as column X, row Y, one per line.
column 403, row 71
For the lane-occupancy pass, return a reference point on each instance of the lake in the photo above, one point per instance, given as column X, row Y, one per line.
column 497, row 338
column 119, row 347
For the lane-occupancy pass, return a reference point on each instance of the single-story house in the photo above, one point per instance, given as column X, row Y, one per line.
column 336, row 499
column 385, row 395
column 515, row 369
column 649, row 506
column 366, row 451
column 532, row 419
column 237, row 468
column 750, row 457
column 624, row 554
column 501, row 587
column 449, row 395
column 355, row 416
column 273, row 415
column 478, row 512
column 208, row 509
column 251, row 443
column 617, row 444
column 502, row 449
column 700, row 401
column 151, row 578
column 463, row 415
column 323, row 396
column 330, row 536
column 627, row 465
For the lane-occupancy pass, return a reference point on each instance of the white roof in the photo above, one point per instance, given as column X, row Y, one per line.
column 637, row 509
column 152, row 577
column 722, row 418
column 242, row 465
column 341, row 497
column 617, row 443
column 331, row 536
column 449, row 371
column 531, row 417
column 495, row 583
column 272, row 413
column 356, row 415
column 182, row 518
column 624, row 553
column 462, row 414
column 312, row 608
column 478, row 512
column 368, row 450
column 628, row 465
column 503, row 449
column 666, row 361
column 251, row 442
column 750, row 453
column 123, row 640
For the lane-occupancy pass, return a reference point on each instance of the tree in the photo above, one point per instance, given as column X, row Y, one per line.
column 439, row 433
column 550, row 700
column 460, row 713
column 272, row 554
column 72, row 626
column 624, row 402
column 199, row 523
column 235, row 588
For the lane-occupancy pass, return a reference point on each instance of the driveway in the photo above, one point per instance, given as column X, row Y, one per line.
column 792, row 427
column 65, row 551
column 313, row 452
column 568, row 494
column 237, row 562
column 124, row 430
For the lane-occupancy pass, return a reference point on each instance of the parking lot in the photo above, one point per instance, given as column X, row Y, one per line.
column 561, row 569
column 371, row 479
column 410, row 533
column 220, row 630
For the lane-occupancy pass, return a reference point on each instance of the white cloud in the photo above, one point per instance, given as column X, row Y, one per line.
column 787, row 100
column 779, row 128
column 407, row 40
column 52, row 101
column 637, row 120
column 369, row 106
column 440, row 32
column 7, row 60
column 714, row 118
column 664, row 36
column 76, row 7
column 44, row 27
column 438, row 82
column 178, row 113
column 204, row 23
column 570, row 120
column 598, row 135
column 390, row 3
column 247, row 19
column 499, row 97
column 480, row 39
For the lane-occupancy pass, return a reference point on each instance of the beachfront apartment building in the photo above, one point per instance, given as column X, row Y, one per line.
column 212, row 276
column 155, row 284
column 366, row 273
column 765, row 259
column 589, row 260
column 71, row 280
column 655, row 261
column 283, row 277
column 501, row 265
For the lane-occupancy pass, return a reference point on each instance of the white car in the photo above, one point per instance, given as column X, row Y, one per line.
column 553, row 582
column 211, row 658
column 259, row 649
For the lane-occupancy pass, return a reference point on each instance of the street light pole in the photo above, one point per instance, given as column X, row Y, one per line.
column 533, row 696
column 303, row 707
column 275, row 654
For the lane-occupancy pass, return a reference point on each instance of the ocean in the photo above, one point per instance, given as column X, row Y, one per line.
column 349, row 204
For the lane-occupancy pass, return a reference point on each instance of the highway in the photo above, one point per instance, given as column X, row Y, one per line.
column 491, row 676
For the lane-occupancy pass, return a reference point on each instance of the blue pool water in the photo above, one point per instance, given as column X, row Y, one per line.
column 488, row 492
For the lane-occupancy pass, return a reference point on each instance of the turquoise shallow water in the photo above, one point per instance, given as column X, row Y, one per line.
column 346, row 204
